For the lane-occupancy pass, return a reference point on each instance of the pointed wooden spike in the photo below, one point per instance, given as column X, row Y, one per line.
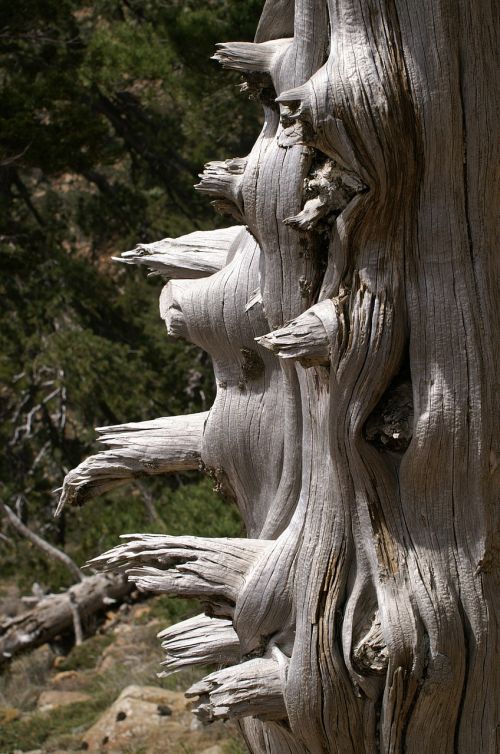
column 194, row 255
column 294, row 97
column 307, row 338
column 201, row 640
column 213, row 570
column 251, row 689
column 222, row 177
column 160, row 446
column 306, row 220
column 250, row 56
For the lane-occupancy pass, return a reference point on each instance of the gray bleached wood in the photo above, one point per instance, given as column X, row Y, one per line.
column 213, row 570
column 195, row 255
column 54, row 614
column 138, row 449
column 250, row 56
column 253, row 688
column 201, row 640
column 328, row 190
column 244, row 431
column 307, row 338
column 366, row 454
column 222, row 180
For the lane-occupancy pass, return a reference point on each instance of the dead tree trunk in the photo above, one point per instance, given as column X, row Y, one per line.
column 59, row 613
column 352, row 325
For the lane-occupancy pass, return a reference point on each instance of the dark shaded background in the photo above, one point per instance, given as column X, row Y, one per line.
column 109, row 111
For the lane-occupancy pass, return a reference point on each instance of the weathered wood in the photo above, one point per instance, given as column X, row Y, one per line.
column 195, row 255
column 361, row 442
column 139, row 449
column 201, row 640
column 307, row 338
column 222, row 180
column 55, row 614
column 213, row 570
column 251, row 413
column 252, row 689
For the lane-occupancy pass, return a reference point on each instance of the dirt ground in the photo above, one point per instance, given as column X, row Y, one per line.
column 104, row 695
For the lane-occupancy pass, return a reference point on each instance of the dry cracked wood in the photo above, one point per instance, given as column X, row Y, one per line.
column 201, row 640
column 245, row 428
column 307, row 338
column 213, row 570
column 54, row 614
column 252, row 689
column 138, row 449
column 192, row 256
column 352, row 332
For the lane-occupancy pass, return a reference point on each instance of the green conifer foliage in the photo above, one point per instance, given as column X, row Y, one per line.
column 107, row 117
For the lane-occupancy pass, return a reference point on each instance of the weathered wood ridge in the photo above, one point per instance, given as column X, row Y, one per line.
column 351, row 319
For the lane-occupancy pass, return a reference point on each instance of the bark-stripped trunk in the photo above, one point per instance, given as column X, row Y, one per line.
column 352, row 325
column 57, row 614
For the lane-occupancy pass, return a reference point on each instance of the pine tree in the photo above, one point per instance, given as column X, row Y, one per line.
column 358, row 434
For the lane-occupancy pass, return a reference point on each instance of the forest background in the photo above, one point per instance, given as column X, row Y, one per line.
column 109, row 111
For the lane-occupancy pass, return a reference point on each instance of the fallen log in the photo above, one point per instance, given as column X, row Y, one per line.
column 55, row 613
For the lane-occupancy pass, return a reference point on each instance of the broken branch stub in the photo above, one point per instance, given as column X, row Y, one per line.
column 138, row 449
column 195, row 255
column 202, row 640
column 223, row 181
column 307, row 339
column 250, row 56
column 328, row 190
column 252, row 689
column 212, row 570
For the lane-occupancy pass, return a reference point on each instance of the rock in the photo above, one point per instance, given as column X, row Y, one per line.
column 138, row 712
column 213, row 750
column 42, row 657
column 54, row 698
column 65, row 678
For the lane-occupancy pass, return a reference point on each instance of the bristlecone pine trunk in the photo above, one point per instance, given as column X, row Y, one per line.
column 351, row 316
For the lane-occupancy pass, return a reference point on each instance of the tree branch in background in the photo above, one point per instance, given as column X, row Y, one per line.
column 45, row 547
column 25, row 195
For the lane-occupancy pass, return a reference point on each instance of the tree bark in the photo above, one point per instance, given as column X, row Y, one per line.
column 353, row 331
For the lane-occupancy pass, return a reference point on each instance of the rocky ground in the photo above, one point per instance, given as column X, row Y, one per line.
column 104, row 695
